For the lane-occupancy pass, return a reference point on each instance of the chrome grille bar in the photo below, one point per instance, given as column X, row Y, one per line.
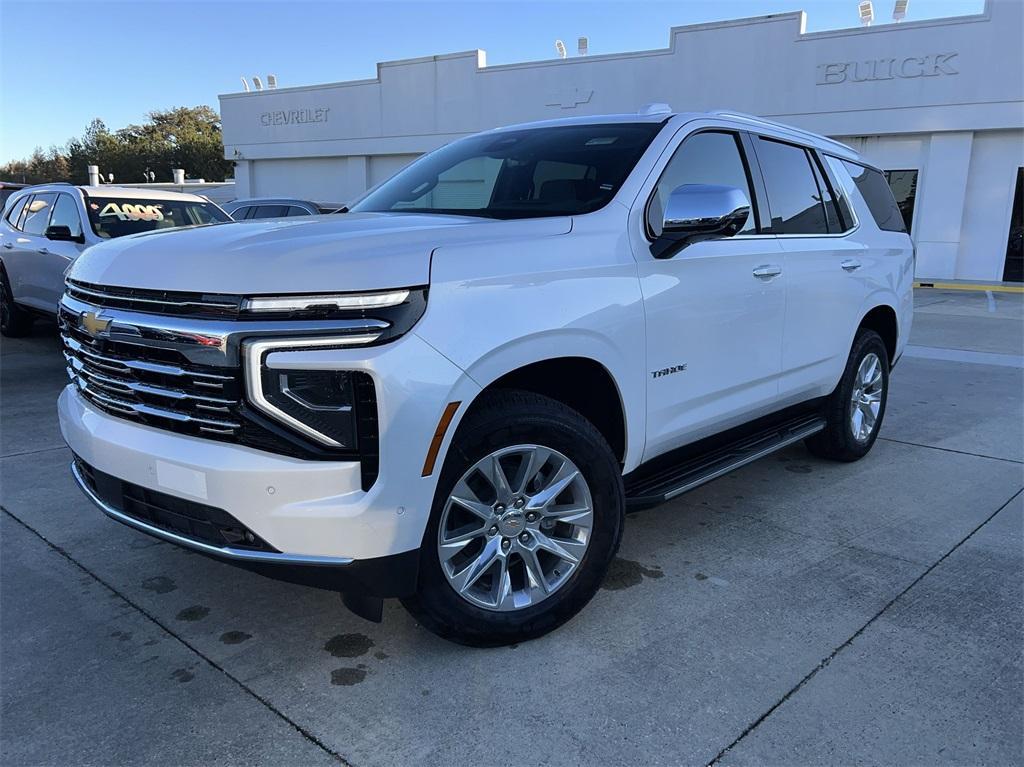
column 133, row 408
column 155, row 392
column 153, row 367
column 81, row 367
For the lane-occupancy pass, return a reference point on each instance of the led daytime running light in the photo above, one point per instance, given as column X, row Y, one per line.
column 343, row 301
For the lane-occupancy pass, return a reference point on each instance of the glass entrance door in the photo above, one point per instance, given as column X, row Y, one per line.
column 1013, row 269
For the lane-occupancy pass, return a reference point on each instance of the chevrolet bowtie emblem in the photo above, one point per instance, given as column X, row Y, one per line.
column 93, row 323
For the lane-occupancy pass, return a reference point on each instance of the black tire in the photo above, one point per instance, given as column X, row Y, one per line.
column 15, row 322
column 837, row 442
column 503, row 419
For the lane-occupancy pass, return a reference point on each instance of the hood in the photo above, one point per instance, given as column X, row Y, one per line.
column 315, row 254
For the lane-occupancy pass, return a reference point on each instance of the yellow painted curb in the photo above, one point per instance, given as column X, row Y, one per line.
column 970, row 286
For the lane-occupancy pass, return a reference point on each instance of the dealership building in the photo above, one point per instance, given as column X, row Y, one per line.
column 938, row 104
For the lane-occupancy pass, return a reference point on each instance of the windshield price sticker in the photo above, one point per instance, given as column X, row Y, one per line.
column 131, row 212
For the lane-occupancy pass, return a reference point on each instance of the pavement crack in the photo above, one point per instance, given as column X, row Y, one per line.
column 951, row 450
column 33, row 452
column 832, row 655
column 306, row 734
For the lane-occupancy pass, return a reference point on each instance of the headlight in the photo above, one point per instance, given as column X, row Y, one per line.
column 319, row 404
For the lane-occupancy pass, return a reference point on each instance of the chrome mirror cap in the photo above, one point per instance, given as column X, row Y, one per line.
column 705, row 209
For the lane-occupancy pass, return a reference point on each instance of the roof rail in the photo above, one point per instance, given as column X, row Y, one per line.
column 782, row 126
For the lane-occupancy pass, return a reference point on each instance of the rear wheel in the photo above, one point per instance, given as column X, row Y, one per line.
column 857, row 406
column 526, row 519
column 14, row 321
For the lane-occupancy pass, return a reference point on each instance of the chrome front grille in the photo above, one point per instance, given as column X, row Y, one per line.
column 185, row 374
column 146, row 384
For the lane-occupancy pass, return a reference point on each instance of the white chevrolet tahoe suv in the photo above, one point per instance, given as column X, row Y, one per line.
column 453, row 393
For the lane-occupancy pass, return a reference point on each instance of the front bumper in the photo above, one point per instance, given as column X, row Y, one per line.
column 390, row 576
column 311, row 512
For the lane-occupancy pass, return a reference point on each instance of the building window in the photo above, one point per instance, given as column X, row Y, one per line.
column 904, row 188
column 1013, row 269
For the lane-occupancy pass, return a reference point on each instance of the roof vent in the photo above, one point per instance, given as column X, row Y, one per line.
column 655, row 108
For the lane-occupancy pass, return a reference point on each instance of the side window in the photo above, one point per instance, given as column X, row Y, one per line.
column 793, row 195
column 65, row 213
column 15, row 212
column 295, row 210
column 903, row 184
column 834, row 220
column 269, row 211
column 842, row 186
column 37, row 213
column 876, row 193
column 703, row 158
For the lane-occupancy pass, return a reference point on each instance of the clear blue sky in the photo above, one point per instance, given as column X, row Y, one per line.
column 64, row 63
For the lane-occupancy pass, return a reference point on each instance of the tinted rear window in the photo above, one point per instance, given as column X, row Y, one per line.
column 875, row 189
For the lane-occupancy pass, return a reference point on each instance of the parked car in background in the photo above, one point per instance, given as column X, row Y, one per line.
column 453, row 393
column 7, row 189
column 277, row 207
column 45, row 228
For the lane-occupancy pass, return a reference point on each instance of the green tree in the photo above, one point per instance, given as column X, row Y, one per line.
column 183, row 137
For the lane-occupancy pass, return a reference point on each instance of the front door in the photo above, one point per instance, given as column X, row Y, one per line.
column 714, row 311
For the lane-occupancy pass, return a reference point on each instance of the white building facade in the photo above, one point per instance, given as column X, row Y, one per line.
column 939, row 104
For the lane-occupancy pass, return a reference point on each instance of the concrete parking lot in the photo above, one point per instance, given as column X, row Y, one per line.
column 793, row 612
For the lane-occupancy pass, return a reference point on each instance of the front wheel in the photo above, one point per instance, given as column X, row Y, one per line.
column 526, row 519
column 857, row 406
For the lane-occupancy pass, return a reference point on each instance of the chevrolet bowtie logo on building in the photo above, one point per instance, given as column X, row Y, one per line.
column 93, row 324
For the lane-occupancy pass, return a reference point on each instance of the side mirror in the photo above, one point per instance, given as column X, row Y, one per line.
column 62, row 233
column 700, row 212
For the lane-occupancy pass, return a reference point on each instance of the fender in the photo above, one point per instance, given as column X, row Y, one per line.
column 559, row 344
column 528, row 299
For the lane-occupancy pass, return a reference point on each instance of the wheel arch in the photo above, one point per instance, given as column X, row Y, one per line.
column 883, row 319
column 581, row 383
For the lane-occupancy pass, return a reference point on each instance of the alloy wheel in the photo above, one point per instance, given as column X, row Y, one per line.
column 515, row 527
column 866, row 398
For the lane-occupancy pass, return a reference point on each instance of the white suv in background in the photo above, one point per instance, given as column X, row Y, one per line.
column 44, row 228
column 453, row 393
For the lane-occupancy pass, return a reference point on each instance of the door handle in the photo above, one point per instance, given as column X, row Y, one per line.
column 8, row 245
column 767, row 271
column 850, row 265
column 44, row 251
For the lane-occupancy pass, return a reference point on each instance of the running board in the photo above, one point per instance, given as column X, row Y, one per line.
column 646, row 489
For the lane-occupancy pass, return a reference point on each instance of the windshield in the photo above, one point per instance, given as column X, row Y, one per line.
column 118, row 216
column 518, row 174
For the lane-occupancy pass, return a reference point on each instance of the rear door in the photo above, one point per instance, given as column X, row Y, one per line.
column 823, row 266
